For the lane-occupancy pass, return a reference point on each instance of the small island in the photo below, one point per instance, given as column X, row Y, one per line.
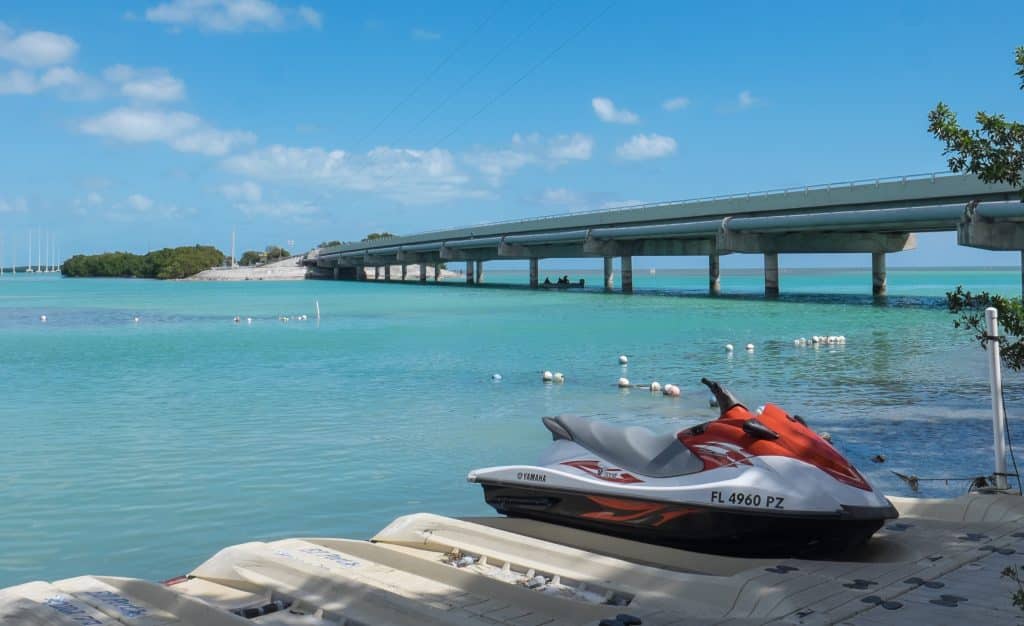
column 168, row 263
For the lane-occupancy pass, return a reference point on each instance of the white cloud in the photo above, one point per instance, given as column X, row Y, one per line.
column 232, row 15
column 744, row 100
column 560, row 197
column 246, row 191
column 651, row 146
column 293, row 211
column 404, row 174
column 674, row 104
column 532, row 149
column 93, row 199
column 606, row 111
column 182, row 131
column 154, row 85
column 35, row 48
column 311, row 16
column 425, row 35
column 140, row 202
column 575, row 147
column 18, row 82
column 65, row 81
column 17, row 205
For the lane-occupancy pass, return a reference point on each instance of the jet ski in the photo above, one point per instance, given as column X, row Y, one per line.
column 744, row 484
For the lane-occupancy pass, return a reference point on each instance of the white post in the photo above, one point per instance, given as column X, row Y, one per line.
column 996, row 381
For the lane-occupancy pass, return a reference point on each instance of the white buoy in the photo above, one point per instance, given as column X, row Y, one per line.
column 547, row 376
column 496, row 378
column 623, row 360
column 42, row 318
column 750, row 347
column 796, row 342
column 559, row 377
column 672, row 390
column 624, row 382
column 136, row 319
column 248, row 320
column 655, row 386
column 842, row 338
column 728, row 347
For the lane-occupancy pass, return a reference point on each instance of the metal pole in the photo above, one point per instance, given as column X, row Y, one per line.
column 996, row 382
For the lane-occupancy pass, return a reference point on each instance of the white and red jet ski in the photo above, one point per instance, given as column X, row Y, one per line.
column 749, row 484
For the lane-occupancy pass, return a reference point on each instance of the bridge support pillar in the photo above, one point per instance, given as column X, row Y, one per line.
column 878, row 282
column 423, row 272
column 479, row 272
column 534, row 272
column 337, row 272
column 387, row 273
column 627, row 274
column 469, row 272
column 360, row 273
column 714, row 275
column 771, row 274
column 437, row 272
column 376, row 272
column 609, row 274
column 405, row 270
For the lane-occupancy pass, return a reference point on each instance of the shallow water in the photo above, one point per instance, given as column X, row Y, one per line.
column 142, row 449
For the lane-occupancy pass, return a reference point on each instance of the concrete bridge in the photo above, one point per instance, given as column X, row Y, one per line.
column 876, row 217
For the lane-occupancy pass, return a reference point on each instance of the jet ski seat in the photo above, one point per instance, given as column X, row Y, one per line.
column 632, row 448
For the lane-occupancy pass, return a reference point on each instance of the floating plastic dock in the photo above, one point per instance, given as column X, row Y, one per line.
column 940, row 563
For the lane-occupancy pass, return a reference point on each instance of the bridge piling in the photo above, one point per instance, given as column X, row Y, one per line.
column 337, row 272
column 405, row 269
column 437, row 272
column 714, row 275
column 423, row 272
column 387, row 273
column 534, row 272
column 879, row 287
column 771, row 274
column 627, row 274
column 609, row 274
column 469, row 272
column 479, row 272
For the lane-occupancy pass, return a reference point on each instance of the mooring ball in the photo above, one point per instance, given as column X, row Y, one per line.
column 655, row 386
column 496, row 377
column 624, row 382
column 559, row 377
column 547, row 376
column 728, row 347
column 623, row 359
column 750, row 347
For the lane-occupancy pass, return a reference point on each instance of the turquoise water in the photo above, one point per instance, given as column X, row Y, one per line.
column 142, row 449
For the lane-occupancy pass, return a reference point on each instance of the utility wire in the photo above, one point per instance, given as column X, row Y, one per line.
column 521, row 78
column 430, row 75
column 528, row 72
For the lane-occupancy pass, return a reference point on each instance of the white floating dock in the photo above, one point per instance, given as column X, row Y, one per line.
column 940, row 563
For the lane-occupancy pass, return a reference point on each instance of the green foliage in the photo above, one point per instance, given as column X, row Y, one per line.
column 376, row 236
column 167, row 263
column 328, row 244
column 276, row 253
column 970, row 311
column 994, row 152
column 251, row 257
column 1014, row 574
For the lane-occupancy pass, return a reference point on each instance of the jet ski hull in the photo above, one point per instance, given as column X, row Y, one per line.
column 697, row 527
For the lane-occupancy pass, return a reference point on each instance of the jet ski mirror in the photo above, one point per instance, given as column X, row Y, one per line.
column 724, row 397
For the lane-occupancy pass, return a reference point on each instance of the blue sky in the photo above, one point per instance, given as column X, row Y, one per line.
column 136, row 125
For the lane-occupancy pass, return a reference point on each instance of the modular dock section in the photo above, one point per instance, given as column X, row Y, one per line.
column 940, row 563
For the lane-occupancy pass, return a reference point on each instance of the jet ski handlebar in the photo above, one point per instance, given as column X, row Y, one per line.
column 724, row 397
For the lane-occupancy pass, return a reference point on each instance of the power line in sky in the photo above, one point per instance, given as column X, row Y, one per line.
column 430, row 75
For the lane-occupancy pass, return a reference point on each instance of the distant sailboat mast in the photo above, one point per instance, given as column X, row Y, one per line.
column 39, row 251
column 29, row 268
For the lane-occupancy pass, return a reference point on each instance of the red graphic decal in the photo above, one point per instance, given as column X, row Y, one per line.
column 612, row 475
column 634, row 511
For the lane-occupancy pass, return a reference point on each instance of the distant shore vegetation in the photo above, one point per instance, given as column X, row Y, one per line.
column 268, row 255
column 169, row 263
